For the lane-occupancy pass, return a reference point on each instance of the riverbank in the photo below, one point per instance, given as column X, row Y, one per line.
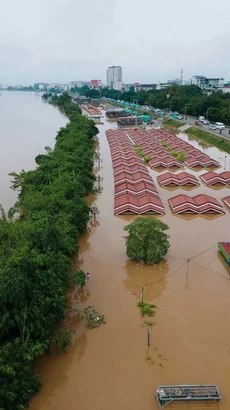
column 35, row 252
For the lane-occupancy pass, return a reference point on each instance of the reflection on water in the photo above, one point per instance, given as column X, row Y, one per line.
column 139, row 274
column 194, row 406
column 173, row 187
column 82, row 295
column 218, row 187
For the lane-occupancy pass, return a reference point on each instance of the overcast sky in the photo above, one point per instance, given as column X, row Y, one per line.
column 65, row 40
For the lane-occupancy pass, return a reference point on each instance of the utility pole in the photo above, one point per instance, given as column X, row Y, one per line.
column 187, row 261
column 142, row 294
column 148, row 336
column 187, row 272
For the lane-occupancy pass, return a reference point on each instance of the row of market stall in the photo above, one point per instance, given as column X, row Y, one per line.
column 210, row 178
column 199, row 204
column 194, row 157
column 134, row 189
column 161, row 147
column 91, row 110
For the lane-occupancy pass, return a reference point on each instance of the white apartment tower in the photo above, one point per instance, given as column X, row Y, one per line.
column 114, row 77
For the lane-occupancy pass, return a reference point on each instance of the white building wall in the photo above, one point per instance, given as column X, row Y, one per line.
column 114, row 73
column 117, row 85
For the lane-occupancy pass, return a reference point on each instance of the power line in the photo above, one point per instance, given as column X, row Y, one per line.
column 165, row 277
column 201, row 253
column 191, row 257
column 209, row 270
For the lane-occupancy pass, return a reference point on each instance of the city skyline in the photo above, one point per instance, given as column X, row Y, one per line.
column 43, row 41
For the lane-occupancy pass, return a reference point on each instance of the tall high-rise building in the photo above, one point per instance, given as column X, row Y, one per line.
column 114, row 76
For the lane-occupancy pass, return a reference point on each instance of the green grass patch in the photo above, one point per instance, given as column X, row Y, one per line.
column 211, row 139
column 174, row 123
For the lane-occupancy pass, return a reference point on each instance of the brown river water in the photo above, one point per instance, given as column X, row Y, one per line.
column 106, row 368
column 27, row 125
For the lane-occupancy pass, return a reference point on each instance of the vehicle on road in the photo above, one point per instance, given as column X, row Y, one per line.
column 180, row 117
column 220, row 125
column 198, row 123
column 205, row 122
column 201, row 118
column 212, row 127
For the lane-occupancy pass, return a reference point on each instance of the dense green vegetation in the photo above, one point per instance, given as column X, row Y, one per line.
column 210, row 138
column 37, row 238
column 187, row 99
column 146, row 240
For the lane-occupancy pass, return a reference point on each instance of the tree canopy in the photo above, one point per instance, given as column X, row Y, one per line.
column 147, row 240
column 189, row 99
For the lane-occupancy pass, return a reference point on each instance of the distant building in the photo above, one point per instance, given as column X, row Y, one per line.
column 117, row 85
column 95, row 84
column 40, row 86
column 114, row 74
column 207, row 83
column 176, row 81
column 162, row 86
column 225, row 88
column 144, row 87
column 126, row 87
column 4, row 86
column 78, row 84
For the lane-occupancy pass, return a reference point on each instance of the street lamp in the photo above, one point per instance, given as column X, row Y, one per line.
column 210, row 108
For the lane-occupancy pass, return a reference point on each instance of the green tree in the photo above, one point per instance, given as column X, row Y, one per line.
column 92, row 94
column 146, row 240
column 79, row 277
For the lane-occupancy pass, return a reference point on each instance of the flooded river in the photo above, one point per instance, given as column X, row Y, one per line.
column 111, row 368
column 27, row 125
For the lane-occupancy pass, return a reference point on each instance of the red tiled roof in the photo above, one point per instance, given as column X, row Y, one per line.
column 198, row 204
column 212, row 178
column 134, row 188
column 146, row 204
column 226, row 200
column 129, row 168
column 183, row 178
column 138, row 189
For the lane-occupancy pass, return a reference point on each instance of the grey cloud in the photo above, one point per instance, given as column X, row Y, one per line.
column 63, row 40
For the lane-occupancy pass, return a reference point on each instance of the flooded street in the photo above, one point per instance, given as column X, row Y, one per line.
column 111, row 367
column 27, row 125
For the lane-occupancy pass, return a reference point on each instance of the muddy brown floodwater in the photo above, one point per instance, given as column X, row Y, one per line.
column 107, row 368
